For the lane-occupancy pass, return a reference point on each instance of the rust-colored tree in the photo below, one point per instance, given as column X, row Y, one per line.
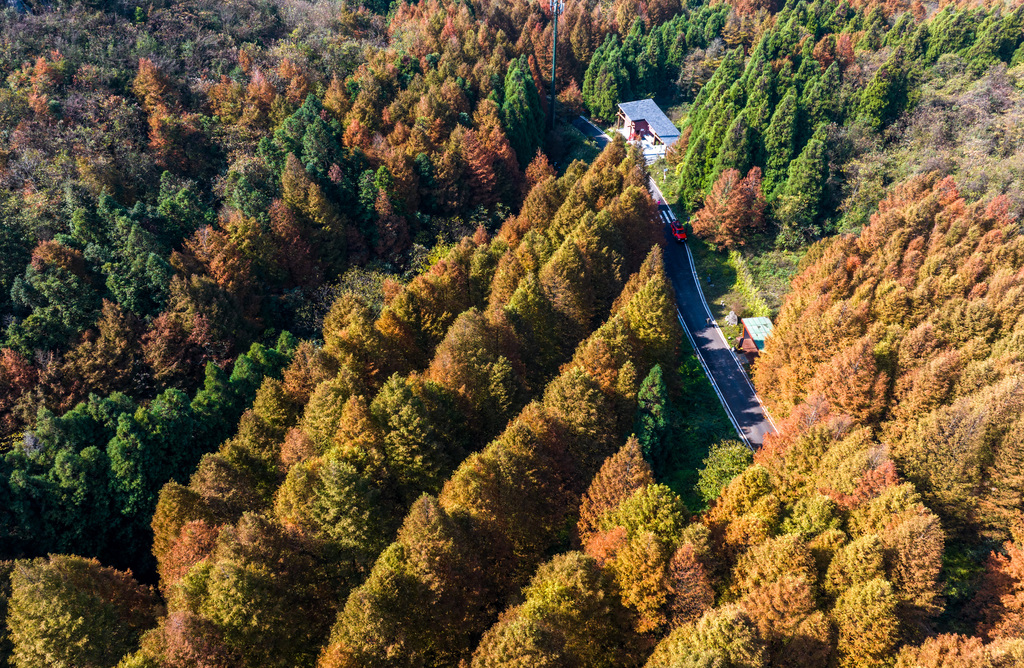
column 620, row 476
column 733, row 208
column 690, row 592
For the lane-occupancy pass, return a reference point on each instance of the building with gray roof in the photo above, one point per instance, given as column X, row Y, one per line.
column 645, row 119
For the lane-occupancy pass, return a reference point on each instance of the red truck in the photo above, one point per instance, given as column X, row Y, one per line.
column 678, row 231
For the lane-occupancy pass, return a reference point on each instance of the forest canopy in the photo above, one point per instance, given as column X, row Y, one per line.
column 319, row 347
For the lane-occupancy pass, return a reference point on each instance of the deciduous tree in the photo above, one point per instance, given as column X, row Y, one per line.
column 733, row 209
column 61, row 606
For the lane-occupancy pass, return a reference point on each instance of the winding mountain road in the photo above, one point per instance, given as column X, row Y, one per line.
column 730, row 382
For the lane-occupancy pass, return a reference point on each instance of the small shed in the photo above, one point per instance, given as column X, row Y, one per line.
column 644, row 118
column 755, row 331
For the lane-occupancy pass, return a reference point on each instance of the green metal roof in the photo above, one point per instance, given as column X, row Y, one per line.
column 759, row 330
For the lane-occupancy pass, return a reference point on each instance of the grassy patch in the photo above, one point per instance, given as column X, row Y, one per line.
column 664, row 175
column 676, row 109
column 771, row 270
column 721, row 284
column 574, row 145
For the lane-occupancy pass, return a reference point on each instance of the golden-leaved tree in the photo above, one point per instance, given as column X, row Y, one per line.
column 913, row 328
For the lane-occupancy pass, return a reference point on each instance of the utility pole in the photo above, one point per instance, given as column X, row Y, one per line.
column 557, row 7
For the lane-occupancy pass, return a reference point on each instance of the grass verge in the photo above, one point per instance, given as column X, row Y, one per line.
column 574, row 145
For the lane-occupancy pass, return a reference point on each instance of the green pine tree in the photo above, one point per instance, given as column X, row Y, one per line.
column 779, row 145
column 319, row 149
column 758, row 113
column 951, row 30
column 737, row 150
column 348, row 511
column 651, row 66
column 886, row 94
column 809, row 67
column 521, row 112
column 652, row 421
column 611, row 85
column 631, row 52
column 798, row 206
column 820, row 99
column 590, row 76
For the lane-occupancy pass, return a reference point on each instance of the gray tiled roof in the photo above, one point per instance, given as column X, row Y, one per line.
column 647, row 110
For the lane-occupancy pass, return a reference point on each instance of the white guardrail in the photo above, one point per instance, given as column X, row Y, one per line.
column 725, row 342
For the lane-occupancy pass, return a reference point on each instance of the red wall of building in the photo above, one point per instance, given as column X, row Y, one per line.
column 636, row 128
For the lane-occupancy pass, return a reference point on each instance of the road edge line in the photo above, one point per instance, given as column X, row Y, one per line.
column 707, row 309
column 714, row 385
column 594, row 125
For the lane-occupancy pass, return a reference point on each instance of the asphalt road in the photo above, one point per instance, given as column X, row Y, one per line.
column 729, row 381
column 592, row 131
column 731, row 384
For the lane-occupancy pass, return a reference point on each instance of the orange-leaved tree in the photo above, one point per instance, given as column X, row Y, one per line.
column 733, row 208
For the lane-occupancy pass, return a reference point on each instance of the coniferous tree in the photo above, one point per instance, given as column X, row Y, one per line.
column 631, row 51
column 654, row 509
column 737, row 147
column 521, row 112
column 758, row 112
column 57, row 293
column 779, row 145
column 795, row 634
column 589, row 91
column 651, row 66
column 941, row 650
column 640, row 572
column 257, row 566
column 422, row 439
column 798, row 205
column 724, row 462
column 608, row 80
column 653, row 418
column 723, row 636
column 886, row 94
column 622, row 474
column 406, row 578
column 809, row 67
column 61, row 607
column 690, row 592
column 821, row 98
column 568, row 598
column 733, row 208
column 111, row 359
column 866, row 619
